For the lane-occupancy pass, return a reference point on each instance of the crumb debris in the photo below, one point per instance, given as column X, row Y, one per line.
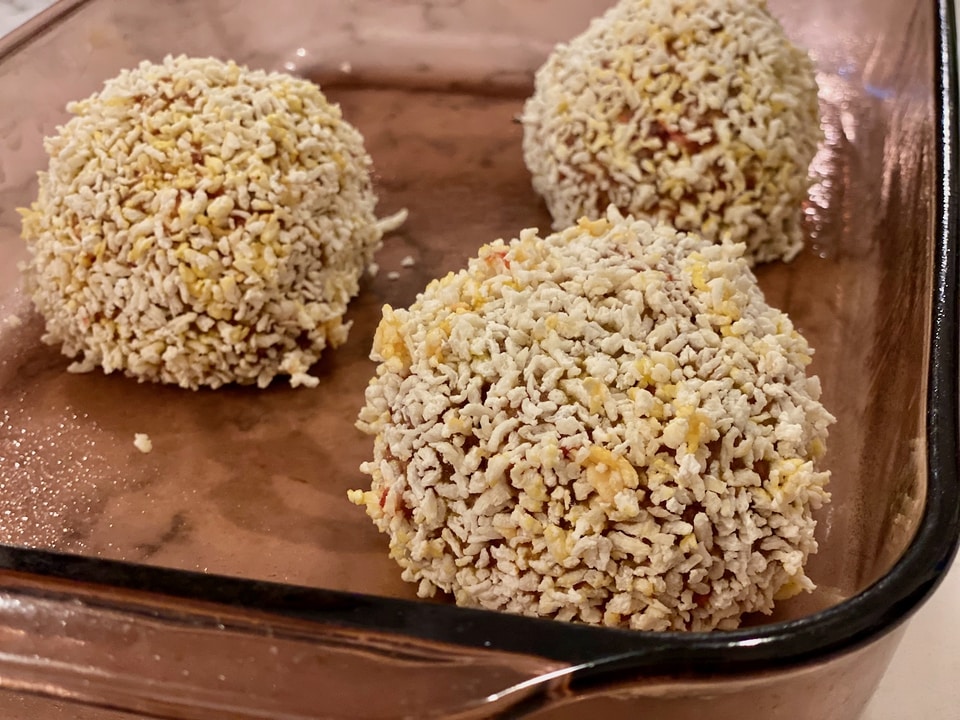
column 408, row 261
column 142, row 442
column 392, row 222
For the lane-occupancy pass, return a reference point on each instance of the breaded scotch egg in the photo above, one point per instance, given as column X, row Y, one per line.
column 201, row 223
column 608, row 425
column 698, row 113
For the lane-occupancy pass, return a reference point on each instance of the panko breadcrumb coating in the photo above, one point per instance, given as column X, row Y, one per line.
column 607, row 425
column 201, row 223
column 699, row 113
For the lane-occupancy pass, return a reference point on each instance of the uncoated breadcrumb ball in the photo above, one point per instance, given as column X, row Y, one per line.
column 607, row 425
column 699, row 113
column 201, row 223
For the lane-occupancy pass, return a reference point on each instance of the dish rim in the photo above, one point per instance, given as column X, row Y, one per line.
column 604, row 652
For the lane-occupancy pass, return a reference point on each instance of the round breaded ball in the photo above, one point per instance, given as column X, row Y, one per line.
column 698, row 113
column 201, row 223
column 607, row 425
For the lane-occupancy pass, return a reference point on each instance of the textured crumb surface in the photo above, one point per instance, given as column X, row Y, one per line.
column 201, row 223
column 700, row 113
column 608, row 425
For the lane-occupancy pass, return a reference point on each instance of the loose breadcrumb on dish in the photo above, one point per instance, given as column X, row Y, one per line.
column 608, row 425
column 201, row 223
column 142, row 442
column 699, row 113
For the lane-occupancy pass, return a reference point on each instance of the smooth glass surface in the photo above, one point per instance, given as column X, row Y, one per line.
column 252, row 484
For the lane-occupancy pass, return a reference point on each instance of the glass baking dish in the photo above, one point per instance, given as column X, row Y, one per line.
column 225, row 574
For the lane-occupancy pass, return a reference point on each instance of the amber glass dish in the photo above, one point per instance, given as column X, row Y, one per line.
column 225, row 574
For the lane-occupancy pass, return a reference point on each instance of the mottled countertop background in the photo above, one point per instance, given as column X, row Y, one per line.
column 14, row 12
column 921, row 681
